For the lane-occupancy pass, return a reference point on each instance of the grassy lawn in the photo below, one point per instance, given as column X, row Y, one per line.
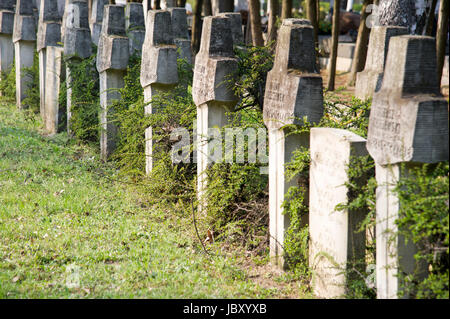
column 69, row 230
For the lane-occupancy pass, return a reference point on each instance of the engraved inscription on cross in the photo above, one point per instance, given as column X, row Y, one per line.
column 214, row 63
column 408, row 119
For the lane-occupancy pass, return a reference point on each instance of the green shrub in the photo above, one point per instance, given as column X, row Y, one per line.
column 176, row 183
column 357, row 7
column 174, row 109
column 424, row 220
column 62, row 104
column 237, row 194
column 84, row 122
column 8, row 84
column 167, row 182
column 33, row 98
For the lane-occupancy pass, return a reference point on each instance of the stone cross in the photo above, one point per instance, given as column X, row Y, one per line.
column 65, row 15
column 61, row 7
column 146, row 5
column 49, row 34
column 213, row 96
column 24, row 38
column 112, row 61
column 369, row 81
column 408, row 125
column 96, row 19
column 236, row 26
column 335, row 245
column 36, row 6
column 135, row 25
column 49, row 28
column 6, row 31
column 293, row 91
column 77, row 43
column 54, row 75
column 77, row 40
column 164, row 4
column 180, row 33
column 7, row 4
column 159, row 73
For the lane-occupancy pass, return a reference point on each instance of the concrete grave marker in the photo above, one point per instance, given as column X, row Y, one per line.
column 335, row 245
column 54, row 75
column 180, row 33
column 37, row 5
column 112, row 60
column 293, row 91
column 7, row 4
column 214, row 64
column 49, row 43
column 236, row 26
column 68, row 13
column 369, row 81
column 48, row 34
column 408, row 124
column 96, row 19
column 135, row 26
column 159, row 73
column 150, row 4
column 77, row 43
column 6, row 31
column 24, row 38
column 146, row 5
column 61, row 7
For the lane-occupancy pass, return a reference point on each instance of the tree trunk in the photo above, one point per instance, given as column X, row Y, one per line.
column 430, row 19
column 255, row 22
column 359, row 60
column 317, row 11
column 335, row 40
column 207, row 9
column 441, row 36
column 311, row 8
column 197, row 27
column 272, row 28
column 286, row 9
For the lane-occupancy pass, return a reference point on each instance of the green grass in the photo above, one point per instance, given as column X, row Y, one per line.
column 68, row 229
